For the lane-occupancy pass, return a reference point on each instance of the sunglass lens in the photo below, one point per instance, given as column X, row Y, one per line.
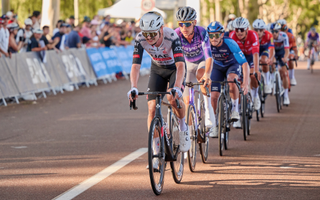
column 216, row 35
column 152, row 34
column 186, row 24
column 240, row 29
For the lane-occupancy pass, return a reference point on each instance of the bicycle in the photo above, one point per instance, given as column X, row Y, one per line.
column 168, row 133
column 278, row 88
column 198, row 133
column 224, row 113
column 312, row 59
column 262, row 96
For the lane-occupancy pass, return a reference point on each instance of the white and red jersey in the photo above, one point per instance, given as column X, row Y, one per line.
column 251, row 45
column 282, row 42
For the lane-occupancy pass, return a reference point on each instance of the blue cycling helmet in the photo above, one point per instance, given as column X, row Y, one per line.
column 215, row 27
column 272, row 26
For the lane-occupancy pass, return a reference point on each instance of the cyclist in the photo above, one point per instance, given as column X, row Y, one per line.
column 230, row 29
column 283, row 21
column 196, row 47
column 266, row 52
column 248, row 42
column 293, row 50
column 312, row 41
column 228, row 60
column 167, row 67
column 281, row 44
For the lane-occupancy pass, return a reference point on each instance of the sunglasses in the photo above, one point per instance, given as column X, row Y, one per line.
column 258, row 30
column 275, row 31
column 151, row 34
column 186, row 24
column 214, row 35
column 240, row 29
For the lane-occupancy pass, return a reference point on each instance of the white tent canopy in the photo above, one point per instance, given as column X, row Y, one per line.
column 127, row 9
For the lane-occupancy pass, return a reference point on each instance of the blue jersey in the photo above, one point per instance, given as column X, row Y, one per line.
column 290, row 31
column 228, row 53
column 226, row 34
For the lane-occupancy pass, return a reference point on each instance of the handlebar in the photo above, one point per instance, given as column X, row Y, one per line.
column 133, row 94
column 190, row 84
column 238, row 84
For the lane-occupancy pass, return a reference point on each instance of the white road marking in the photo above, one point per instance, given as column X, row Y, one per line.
column 75, row 191
column 286, row 167
column 19, row 147
column 317, row 155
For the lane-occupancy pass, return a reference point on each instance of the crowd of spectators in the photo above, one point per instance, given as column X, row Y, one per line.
column 88, row 34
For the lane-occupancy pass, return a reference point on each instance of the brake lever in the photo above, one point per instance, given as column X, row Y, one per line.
column 133, row 103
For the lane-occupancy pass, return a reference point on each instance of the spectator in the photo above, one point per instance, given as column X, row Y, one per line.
column 26, row 33
column 65, row 37
column 56, row 30
column 85, row 30
column 14, row 47
column 45, row 30
column 10, row 16
column 35, row 42
column 73, row 40
column 129, row 37
column 4, row 36
column 71, row 21
column 36, row 17
column 105, row 19
column 107, row 33
column 57, row 38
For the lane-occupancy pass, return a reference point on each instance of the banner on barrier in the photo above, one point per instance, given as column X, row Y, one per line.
column 7, row 85
column 83, row 63
column 28, row 72
column 111, row 59
column 98, row 64
column 124, row 58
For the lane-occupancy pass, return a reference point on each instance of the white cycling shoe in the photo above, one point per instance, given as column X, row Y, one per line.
column 237, row 124
column 155, row 163
column 213, row 133
column 286, row 101
column 293, row 81
column 185, row 142
column 257, row 103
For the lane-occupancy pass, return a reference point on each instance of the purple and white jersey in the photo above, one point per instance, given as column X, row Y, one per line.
column 199, row 48
column 313, row 38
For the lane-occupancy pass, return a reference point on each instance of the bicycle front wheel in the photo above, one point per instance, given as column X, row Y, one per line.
column 192, row 153
column 222, row 123
column 156, row 156
column 262, row 97
column 204, row 147
column 177, row 167
column 244, row 115
column 278, row 98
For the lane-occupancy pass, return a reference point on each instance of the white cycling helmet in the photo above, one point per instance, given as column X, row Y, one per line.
column 28, row 21
column 186, row 14
column 232, row 16
column 282, row 21
column 277, row 26
column 230, row 27
column 151, row 21
column 259, row 24
column 240, row 22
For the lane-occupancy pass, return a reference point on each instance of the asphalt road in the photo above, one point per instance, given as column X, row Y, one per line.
column 54, row 144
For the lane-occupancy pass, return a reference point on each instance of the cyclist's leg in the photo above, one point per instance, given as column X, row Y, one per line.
column 217, row 74
column 284, row 77
column 291, row 68
column 190, row 77
column 234, row 72
column 253, row 84
column 265, row 71
column 209, row 114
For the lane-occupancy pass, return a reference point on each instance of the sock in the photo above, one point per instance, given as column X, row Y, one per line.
column 182, row 124
column 267, row 78
column 257, row 91
column 290, row 73
column 235, row 105
column 209, row 110
column 286, row 93
column 253, row 93
column 156, row 145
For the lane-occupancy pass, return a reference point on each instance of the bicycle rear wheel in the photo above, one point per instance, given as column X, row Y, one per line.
column 278, row 98
column 244, row 115
column 222, row 123
column 192, row 153
column 156, row 155
column 312, row 62
column 177, row 167
column 204, row 147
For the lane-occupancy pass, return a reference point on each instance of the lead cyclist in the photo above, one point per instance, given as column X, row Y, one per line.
column 196, row 48
column 167, row 67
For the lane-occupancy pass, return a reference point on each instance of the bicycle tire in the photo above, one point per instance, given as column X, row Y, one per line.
column 249, row 113
column 226, row 140
column 278, row 98
column 192, row 153
column 156, row 184
column 312, row 63
column 204, row 147
column 221, row 123
column 177, row 167
column 263, row 99
column 244, row 115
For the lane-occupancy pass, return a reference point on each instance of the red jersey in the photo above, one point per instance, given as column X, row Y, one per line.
column 292, row 41
column 251, row 45
column 266, row 42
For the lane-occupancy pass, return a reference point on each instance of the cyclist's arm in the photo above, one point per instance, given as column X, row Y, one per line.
column 136, row 63
column 286, row 47
column 207, row 52
column 179, row 74
column 255, row 51
column 246, row 74
column 271, row 48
